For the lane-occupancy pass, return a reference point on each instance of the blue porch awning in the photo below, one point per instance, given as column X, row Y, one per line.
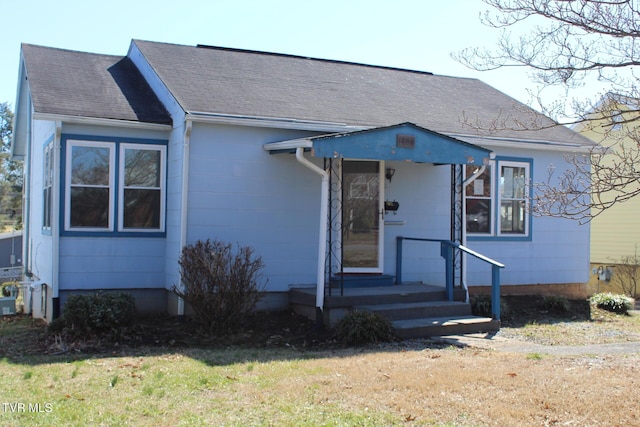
column 404, row 142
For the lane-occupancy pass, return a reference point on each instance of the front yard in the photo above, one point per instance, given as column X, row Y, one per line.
column 280, row 377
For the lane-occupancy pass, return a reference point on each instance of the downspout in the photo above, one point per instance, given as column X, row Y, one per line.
column 27, row 267
column 185, row 198
column 55, row 220
column 322, row 234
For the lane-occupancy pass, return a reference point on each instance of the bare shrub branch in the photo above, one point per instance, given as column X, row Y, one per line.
column 221, row 286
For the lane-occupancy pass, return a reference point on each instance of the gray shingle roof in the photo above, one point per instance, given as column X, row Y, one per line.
column 89, row 85
column 249, row 83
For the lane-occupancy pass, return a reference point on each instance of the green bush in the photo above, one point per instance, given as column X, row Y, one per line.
column 556, row 304
column 612, row 302
column 363, row 327
column 221, row 286
column 96, row 313
column 481, row 306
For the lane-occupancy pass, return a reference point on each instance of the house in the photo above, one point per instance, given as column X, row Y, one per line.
column 337, row 174
column 615, row 236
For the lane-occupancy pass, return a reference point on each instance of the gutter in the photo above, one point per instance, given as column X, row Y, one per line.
column 322, row 231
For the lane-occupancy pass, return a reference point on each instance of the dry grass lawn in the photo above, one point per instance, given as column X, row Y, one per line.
column 416, row 383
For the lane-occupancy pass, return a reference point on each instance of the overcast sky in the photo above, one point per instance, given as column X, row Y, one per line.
column 412, row 34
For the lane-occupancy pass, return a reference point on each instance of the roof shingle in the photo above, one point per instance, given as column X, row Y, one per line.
column 90, row 85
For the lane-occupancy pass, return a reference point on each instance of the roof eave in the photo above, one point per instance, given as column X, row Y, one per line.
column 98, row 121
column 272, row 122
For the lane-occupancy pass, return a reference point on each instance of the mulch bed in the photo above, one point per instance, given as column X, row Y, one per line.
column 261, row 330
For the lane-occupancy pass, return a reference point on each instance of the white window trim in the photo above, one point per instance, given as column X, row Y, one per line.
column 121, row 186
column 499, row 198
column 67, row 208
column 496, row 202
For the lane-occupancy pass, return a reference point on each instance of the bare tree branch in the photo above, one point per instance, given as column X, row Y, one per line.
column 570, row 42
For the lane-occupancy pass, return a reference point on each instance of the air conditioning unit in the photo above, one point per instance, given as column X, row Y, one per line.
column 8, row 302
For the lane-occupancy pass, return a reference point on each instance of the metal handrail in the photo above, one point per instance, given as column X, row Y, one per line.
column 446, row 251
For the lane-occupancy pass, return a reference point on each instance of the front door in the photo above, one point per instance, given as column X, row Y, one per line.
column 362, row 224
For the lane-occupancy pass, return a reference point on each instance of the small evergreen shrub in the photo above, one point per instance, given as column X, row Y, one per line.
column 99, row 313
column 364, row 327
column 556, row 304
column 612, row 302
column 481, row 306
column 221, row 285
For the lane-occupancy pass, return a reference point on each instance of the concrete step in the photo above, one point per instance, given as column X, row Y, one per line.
column 417, row 310
column 442, row 326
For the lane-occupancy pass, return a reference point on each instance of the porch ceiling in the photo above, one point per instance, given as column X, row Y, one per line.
column 405, row 142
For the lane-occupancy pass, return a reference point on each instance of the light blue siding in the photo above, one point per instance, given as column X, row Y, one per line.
column 558, row 251
column 240, row 194
column 111, row 263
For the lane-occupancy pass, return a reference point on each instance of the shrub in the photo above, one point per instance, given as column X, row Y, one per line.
column 96, row 313
column 556, row 304
column 221, row 286
column 363, row 327
column 481, row 306
column 612, row 302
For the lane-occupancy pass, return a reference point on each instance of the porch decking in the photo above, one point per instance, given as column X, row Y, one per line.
column 415, row 310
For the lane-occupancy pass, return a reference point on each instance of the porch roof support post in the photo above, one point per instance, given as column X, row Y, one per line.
column 399, row 240
column 322, row 234
column 446, row 251
column 495, row 292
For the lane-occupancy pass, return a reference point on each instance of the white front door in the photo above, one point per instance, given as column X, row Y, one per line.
column 362, row 222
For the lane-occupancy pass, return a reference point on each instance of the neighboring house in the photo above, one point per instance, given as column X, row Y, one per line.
column 318, row 165
column 615, row 235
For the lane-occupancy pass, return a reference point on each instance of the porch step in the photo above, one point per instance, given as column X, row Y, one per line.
column 417, row 310
column 441, row 326
column 408, row 293
column 361, row 280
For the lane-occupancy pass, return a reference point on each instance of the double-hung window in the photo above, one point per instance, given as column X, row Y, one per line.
column 90, row 186
column 141, row 187
column 497, row 199
column 114, row 186
column 47, row 186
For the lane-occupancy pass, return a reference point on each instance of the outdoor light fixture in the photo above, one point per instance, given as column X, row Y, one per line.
column 389, row 173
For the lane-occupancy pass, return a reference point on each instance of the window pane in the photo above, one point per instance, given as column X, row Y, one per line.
column 46, row 220
column 142, row 168
column 512, row 217
column 481, row 186
column 478, row 215
column 141, row 208
column 90, row 165
column 89, row 207
column 512, row 180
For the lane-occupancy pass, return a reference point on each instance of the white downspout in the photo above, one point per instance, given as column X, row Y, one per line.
column 185, row 198
column 322, row 235
column 55, row 210
column 27, row 263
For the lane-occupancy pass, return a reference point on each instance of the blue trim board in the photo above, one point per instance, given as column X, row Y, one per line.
column 403, row 142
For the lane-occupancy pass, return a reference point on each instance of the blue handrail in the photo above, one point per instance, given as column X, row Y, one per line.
column 446, row 251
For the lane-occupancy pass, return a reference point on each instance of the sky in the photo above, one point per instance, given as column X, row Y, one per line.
column 412, row 34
